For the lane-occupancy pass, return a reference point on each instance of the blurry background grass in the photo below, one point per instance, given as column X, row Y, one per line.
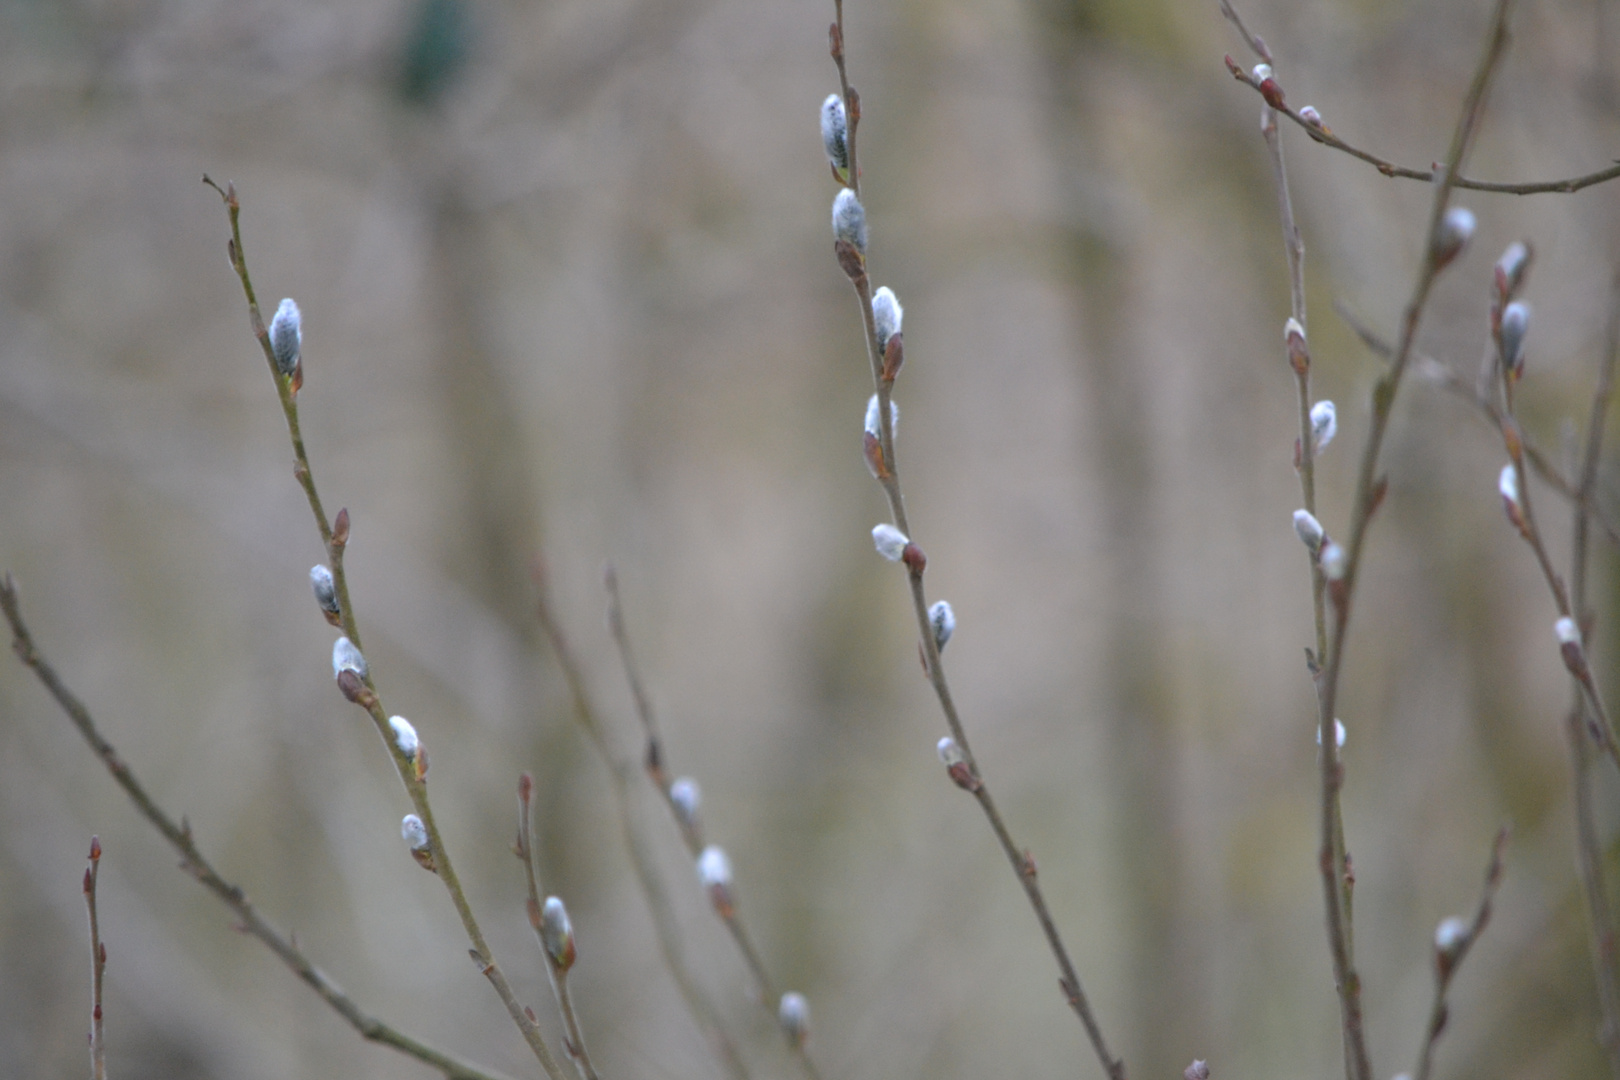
column 568, row 287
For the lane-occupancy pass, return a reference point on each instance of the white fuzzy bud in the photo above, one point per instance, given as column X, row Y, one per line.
column 887, row 314
column 1309, row 529
column 1262, row 72
column 1507, row 482
column 404, row 735
column 1338, row 734
column 849, row 220
column 414, row 832
column 1450, row 935
column 325, row 589
column 1568, row 633
column 685, row 796
column 794, row 1015
column 1309, row 114
column 557, row 933
column 345, row 657
column 835, row 133
column 1512, row 265
column 287, row 337
column 943, row 620
column 1515, row 324
column 714, row 868
column 890, row 542
column 949, row 752
column 1456, row 229
column 1324, row 425
column 1333, row 561
column 872, row 427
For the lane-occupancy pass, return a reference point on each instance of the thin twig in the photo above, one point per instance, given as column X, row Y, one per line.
column 98, row 963
column 193, row 862
column 575, row 1044
column 1324, row 135
column 1605, row 953
column 690, row 833
column 1449, row 954
column 1369, row 493
column 1021, row 860
column 665, row 926
column 412, row 768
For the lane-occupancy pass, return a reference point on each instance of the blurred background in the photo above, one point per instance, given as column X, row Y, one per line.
column 568, row 289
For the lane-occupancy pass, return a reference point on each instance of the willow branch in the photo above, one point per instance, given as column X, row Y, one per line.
column 412, row 767
column 665, row 925
column 98, row 963
column 179, row 836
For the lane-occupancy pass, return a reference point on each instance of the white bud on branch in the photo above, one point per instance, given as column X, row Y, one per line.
column 685, row 796
column 404, row 735
column 414, row 832
column 287, row 337
column 1455, row 230
column 1309, row 530
column 849, row 220
column 1324, row 425
column 890, row 542
column 345, row 657
column 1333, row 561
column 325, row 589
column 794, row 1016
column 714, row 867
column 943, row 621
column 557, row 933
column 887, row 315
column 1510, row 336
column 872, row 426
column 1568, row 633
column 835, row 133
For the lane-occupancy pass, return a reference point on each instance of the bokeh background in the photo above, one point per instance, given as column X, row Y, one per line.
column 568, row 289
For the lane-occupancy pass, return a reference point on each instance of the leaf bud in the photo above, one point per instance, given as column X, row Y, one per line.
column 557, row 934
column 1299, row 356
column 417, row 839
column 1450, row 938
column 287, row 337
column 943, row 621
column 956, row 765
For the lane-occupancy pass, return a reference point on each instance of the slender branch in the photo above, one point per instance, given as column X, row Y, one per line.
column 193, row 862
column 98, row 963
column 559, row 973
column 1020, row 859
column 1324, row 135
column 1450, row 950
column 412, row 767
column 1589, row 860
column 665, row 926
column 687, row 822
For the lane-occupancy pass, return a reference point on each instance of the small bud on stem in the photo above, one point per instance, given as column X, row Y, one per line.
column 794, row 1015
column 557, row 934
column 287, row 338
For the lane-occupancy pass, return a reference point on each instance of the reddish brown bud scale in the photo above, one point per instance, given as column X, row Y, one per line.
column 89, row 882
column 851, row 261
column 340, row 528
column 349, row 683
column 1272, row 93
column 894, row 356
column 963, row 776
column 95, row 848
column 874, row 456
column 1574, row 659
column 724, row 904
column 534, row 913
column 835, row 41
column 914, row 559
column 525, row 788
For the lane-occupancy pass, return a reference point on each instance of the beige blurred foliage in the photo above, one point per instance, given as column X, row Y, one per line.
column 579, row 298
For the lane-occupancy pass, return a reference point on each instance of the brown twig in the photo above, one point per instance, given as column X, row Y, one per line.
column 412, row 767
column 1324, row 135
column 1450, row 949
column 524, row 850
column 193, row 862
column 887, row 472
column 98, row 961
column 665, row 925
column 687, row 823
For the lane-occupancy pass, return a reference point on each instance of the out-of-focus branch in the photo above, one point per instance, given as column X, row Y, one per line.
column 686, row 818
column 665, row 926
column 1453, row 938
column 98, row 963
column 359, row 688
column 1324, row 135
column 193, row 862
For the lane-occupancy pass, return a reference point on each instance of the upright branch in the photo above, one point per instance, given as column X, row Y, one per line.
column 554, row 932
column 682, row 798
column 881, row 320
column 665, row 924
column 281, row 342
column 1452, row 940
column 98, row 963
column 192, row 860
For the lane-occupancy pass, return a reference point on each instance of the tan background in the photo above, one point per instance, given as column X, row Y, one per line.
column 584, row 302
